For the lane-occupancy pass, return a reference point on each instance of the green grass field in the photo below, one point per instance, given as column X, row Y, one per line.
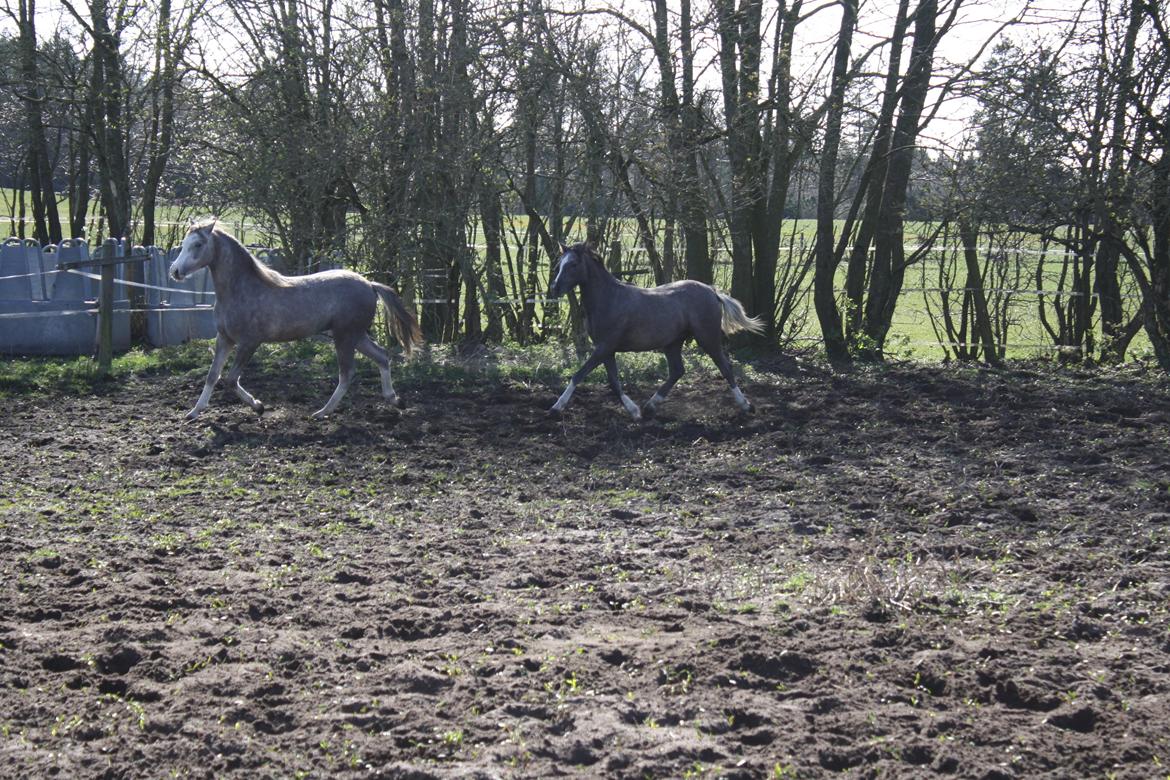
column 916, row 329
column 171, row 223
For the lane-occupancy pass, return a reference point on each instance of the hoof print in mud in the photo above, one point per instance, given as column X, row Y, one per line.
column 60, row 663
column 1082, row 719
column 120, row 661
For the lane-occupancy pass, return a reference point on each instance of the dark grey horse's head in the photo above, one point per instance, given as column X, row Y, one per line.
column 196, row 250
column 572, row 268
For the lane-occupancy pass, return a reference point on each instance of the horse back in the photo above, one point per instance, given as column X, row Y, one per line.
column 338, row 301
column 346, row 299
column 653, row 318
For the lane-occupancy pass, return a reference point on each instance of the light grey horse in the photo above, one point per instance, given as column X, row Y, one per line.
column 254, row 304
column 622, row 317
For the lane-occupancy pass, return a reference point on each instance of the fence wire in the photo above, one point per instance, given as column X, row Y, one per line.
column 1040, row 345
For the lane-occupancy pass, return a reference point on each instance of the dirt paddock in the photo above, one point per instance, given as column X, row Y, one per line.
column 906, row 571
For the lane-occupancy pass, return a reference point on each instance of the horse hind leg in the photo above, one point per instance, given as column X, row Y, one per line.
column 345, row 350
column 374, row 351
column 244, row 353
column 714, row 347
column 674, row 363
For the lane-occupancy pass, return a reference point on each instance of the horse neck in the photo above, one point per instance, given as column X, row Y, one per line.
column 598, row 285
column 228, row 270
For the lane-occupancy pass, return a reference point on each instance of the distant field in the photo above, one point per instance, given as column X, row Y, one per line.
column 913, row 334
column 171, row 224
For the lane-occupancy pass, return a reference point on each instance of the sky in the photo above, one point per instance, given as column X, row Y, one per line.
column 977, row 22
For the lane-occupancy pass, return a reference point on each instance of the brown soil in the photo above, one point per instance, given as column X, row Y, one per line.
column 904, row 571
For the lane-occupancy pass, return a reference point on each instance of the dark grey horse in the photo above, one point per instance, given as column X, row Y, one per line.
column 254, row 304
column 621, row 317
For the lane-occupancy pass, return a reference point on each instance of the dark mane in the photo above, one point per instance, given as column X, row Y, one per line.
column 587, row 251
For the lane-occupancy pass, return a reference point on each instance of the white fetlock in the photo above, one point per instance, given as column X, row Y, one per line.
column 563, row 401
column 631, row 407
column 741, row 400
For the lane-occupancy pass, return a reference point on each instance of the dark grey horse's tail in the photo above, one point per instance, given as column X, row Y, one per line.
column 402, row 322
column 735, row 318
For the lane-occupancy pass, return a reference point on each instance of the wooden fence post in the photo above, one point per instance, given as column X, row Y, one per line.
column 106, row 310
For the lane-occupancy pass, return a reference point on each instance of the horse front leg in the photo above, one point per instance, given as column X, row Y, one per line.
column 223, row 345
column 593, row 361
column 615, row 384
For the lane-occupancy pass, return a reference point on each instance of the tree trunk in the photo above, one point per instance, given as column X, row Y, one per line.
column 491, row 220
column 681, row 121
column 889, row 263
column 162, row 121
column 875, row 175
column 781, row 154
column 699, row 263
column 739, row 31
column 824, row 298
column 109, row 122
column 1108, row 287
column 47, row 223
column 968, row 236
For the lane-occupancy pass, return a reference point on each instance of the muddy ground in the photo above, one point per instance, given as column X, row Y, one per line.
column 905, row 571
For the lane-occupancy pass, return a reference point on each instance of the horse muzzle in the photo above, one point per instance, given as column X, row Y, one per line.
column 175, row 273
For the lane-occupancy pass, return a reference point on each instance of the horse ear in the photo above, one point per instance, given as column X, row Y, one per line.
column 564, row 247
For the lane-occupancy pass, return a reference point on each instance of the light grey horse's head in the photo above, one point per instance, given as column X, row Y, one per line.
column 572, row 268
column 196, row 250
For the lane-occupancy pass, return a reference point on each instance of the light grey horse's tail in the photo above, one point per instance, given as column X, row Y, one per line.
column 402, row 322
column 735, row 318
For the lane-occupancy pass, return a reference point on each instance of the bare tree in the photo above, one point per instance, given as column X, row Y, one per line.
column 172, row 35
column 47, row 223
column 105, row 24
column 824, row 295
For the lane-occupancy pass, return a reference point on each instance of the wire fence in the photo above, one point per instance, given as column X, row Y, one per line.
column 914, row 329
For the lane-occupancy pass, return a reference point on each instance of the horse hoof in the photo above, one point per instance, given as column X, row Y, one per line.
column 554, row 412
column 259, row 408
column 648, row 412
column 400, row 402
column 191, row 415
